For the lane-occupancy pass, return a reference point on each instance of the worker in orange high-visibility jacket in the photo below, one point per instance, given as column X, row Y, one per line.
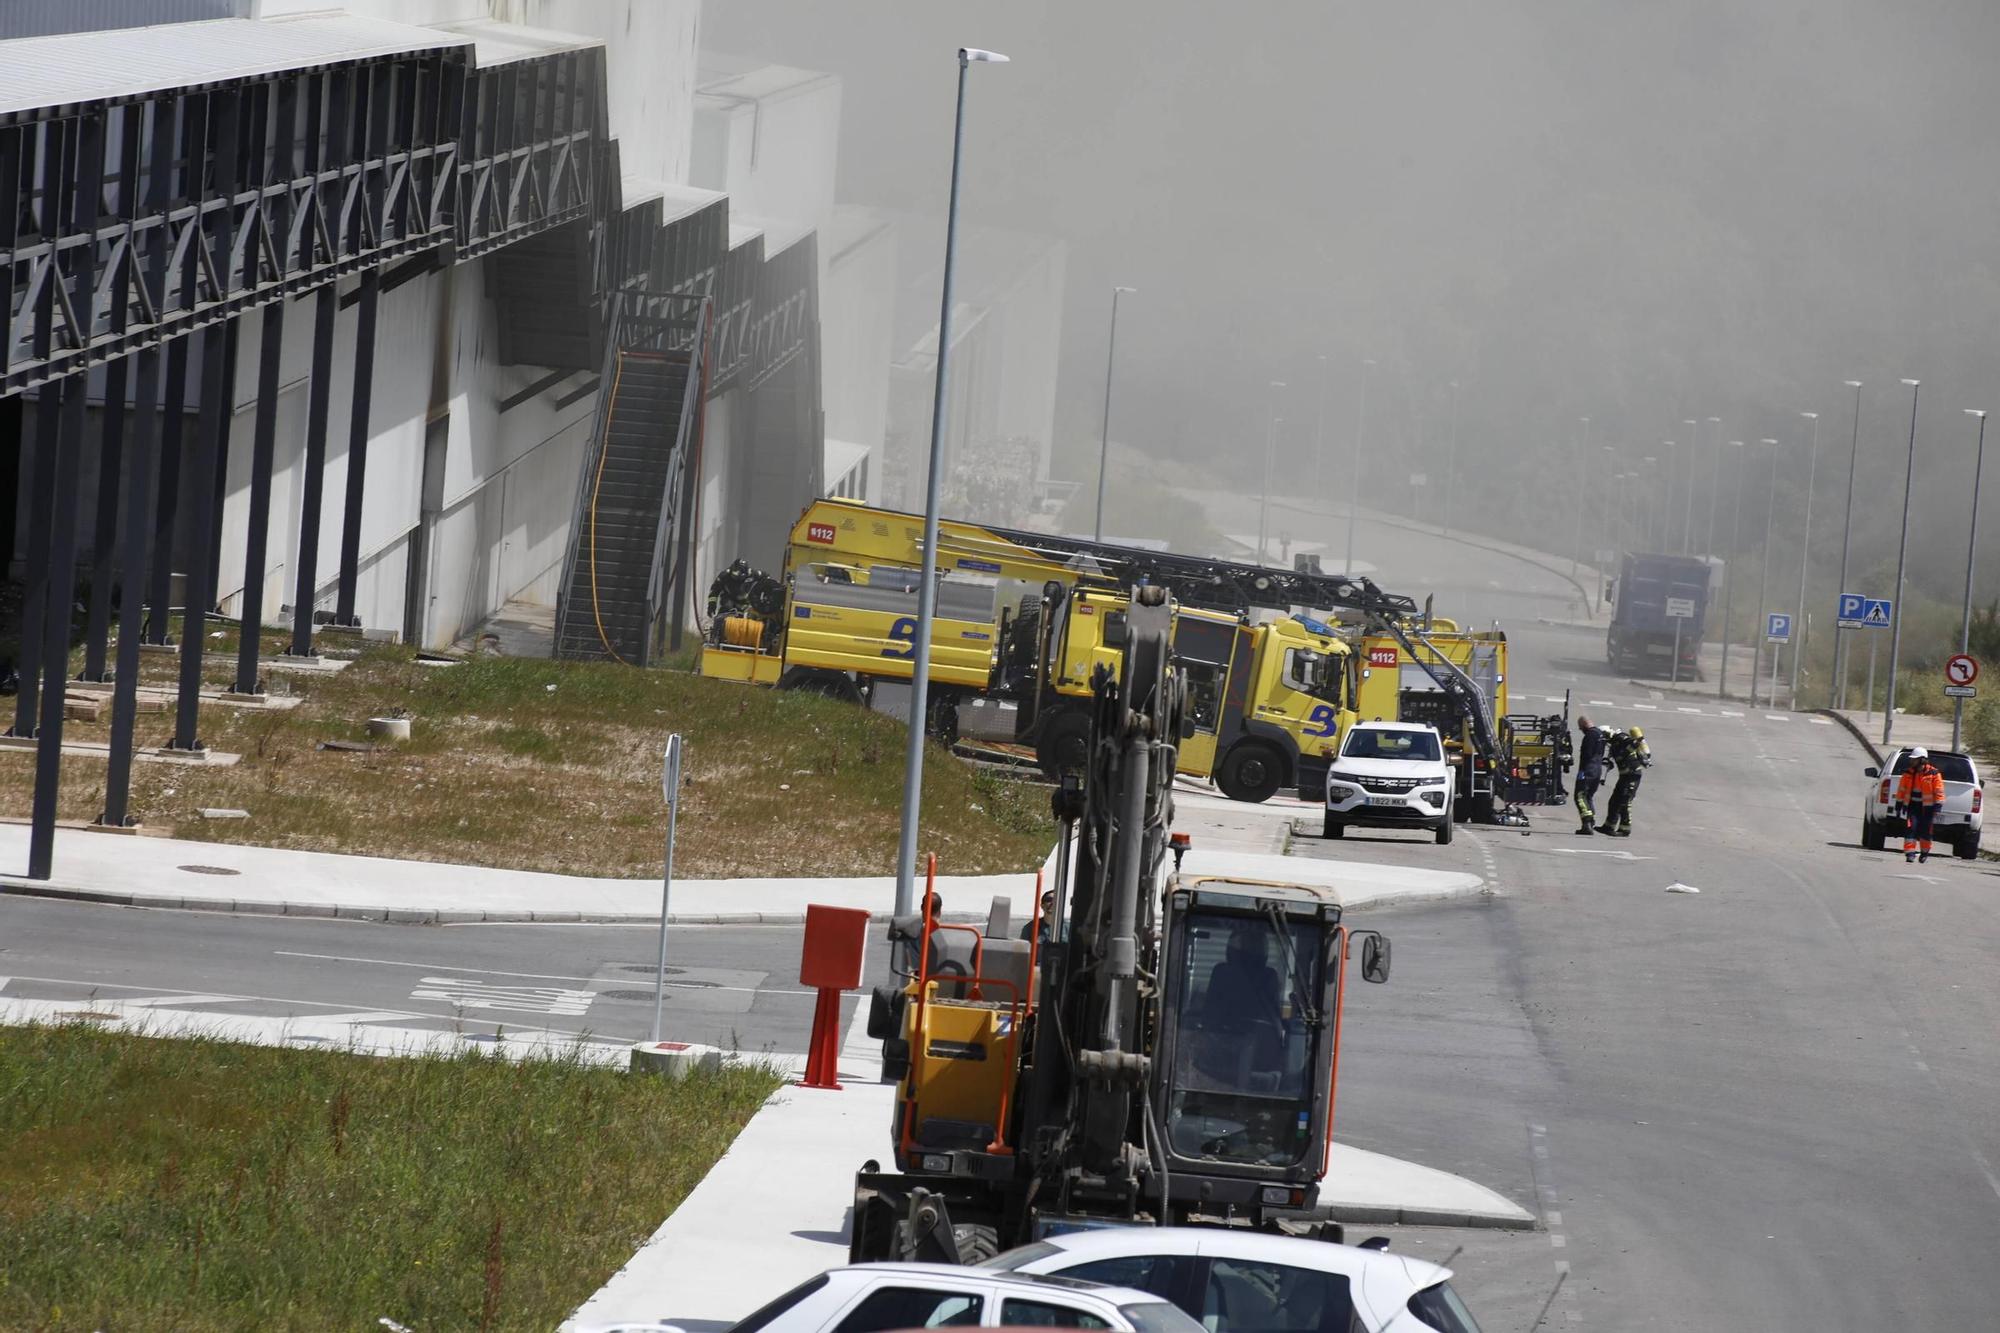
column 1919, row 796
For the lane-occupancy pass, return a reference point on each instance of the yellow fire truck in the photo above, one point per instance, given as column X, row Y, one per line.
column 1018, row 629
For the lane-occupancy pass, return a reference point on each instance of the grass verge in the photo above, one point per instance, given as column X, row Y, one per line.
column 540, row 765
column 196, row 1184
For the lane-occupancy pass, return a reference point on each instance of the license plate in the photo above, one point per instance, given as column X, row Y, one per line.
column 1660, row 649
column 1385, row 800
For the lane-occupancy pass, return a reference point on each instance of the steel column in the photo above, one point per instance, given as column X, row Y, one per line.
column 103, row 552
column 357, row 448
column 166, row 505
column 249, row 641
column 219, row 479
column 325, row 304
column 54, row 663
column 35, row 575
column 211, row 436
column 132, row 566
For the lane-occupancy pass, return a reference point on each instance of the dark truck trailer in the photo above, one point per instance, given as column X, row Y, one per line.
column 1641, row 638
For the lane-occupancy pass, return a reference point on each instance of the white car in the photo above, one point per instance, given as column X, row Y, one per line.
column 1390, row 775
column 1957, row 825
column 1240, row 1281
column 875, row 1298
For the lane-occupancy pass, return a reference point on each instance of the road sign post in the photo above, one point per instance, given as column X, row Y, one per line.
column 1859, row 611
column 1960, row 670
column 1680, row 610
column 1778, row 633
column 670, row 789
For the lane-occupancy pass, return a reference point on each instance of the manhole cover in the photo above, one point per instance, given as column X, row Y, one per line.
column 209, row 870
column 643, row 994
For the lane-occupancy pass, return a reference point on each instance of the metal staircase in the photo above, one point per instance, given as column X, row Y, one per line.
column 630, row 536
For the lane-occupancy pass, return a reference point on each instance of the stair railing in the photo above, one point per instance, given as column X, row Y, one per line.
column 599, row 442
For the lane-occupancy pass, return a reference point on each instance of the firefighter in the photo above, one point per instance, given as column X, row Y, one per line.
column 1919, row 796
column 1589, row 771
column 1633, row 756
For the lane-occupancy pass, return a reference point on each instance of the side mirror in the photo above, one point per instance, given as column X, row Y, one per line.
column 1374, row 956
column 1872, row 771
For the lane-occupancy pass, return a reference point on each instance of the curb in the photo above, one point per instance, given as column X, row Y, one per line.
column 1853, row 731
column 414, row 916
column 1368, row 1215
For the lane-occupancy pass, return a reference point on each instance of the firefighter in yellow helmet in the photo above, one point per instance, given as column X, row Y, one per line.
column 1633, row 756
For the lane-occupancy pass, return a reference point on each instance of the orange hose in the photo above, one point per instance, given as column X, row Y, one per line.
column 596, row 486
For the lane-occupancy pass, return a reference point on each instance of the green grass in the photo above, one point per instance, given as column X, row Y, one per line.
column 533, row 764
column 194, row 1184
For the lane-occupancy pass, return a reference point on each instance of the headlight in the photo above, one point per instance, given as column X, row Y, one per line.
column 1434, row 799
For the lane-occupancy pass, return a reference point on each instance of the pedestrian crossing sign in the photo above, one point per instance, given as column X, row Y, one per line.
column 1859, row 612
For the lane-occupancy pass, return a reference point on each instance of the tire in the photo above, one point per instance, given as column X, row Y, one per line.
column 1252, row 773
column 1872, row 836
column 976, row 1242
column 830, row 684
column 1444, row 832
column 1333, row 828
column 1966, row 848
column 1064, row 745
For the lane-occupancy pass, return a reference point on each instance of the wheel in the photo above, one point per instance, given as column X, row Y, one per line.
column 1333, row 828
column 830, row 684
column 1966, row 848
column 1064, row 746
column 976, row 1242
column 1251, row 773
column 1444, row 832
column 1872, row 836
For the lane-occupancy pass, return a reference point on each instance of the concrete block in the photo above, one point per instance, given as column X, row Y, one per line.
column 675, row 1059
column 411, row 916
column 360, row 913
column 324, row 911
column 208, row 904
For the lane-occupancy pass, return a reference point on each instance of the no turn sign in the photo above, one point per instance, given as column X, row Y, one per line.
column 1961, row 669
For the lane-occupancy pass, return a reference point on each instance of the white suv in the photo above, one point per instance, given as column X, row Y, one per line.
column 1958, row 824
column 1390, row 775
column 875, row 1298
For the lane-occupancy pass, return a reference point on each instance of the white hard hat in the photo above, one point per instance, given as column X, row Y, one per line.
column 1920, row 753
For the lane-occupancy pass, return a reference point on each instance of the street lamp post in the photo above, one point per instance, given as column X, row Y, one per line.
column 1319, row 436
column 1667, row 448
column 1805, row 560
column 1104, row 451
column 1451, row 460
column 1354, row 479
column 1576, row 543
column 1902, row 555
column 1714, row 488
column 913, row 761
column 1840, row 639
column 1650, row 498
column 1270, row 450
column 1971, row 545
column 1757, row 635
column 1729, row 568
column 1687, row 516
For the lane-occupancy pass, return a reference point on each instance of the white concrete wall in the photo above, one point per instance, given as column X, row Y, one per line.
column 857, row 315
column 770, row 139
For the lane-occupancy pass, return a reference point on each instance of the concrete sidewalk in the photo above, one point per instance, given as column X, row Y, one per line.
column 1229, row 838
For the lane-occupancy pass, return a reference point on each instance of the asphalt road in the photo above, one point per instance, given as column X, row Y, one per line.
column 1774, row 1104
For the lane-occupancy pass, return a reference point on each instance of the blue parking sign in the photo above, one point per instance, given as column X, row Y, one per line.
column 1778, row 627
column 1858, row 611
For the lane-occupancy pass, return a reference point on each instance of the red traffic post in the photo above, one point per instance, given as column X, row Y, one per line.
column 830, row 963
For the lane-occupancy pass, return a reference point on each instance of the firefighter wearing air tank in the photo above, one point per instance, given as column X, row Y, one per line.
column 1589, row 772
column 1919, row 795
column 1633, row 756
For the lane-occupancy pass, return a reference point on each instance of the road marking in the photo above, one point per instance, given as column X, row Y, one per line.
column 466, row 993
column 1620, row 854
column 356, row 1016
column 181, row 1001
column 1820, row 721
column 1928, row 879
column 1552, row 698
column 1602, row 703
column 1776, row 717
column 1683, row 708
column 1651, row 708
column 1727, row 713
column 541, row 976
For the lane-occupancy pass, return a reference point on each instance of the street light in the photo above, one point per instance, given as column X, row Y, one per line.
column 1451, row 460
column 1805, row 559
column 1576, row 543
column 1667, row 448
column 1687, row 517
column 1714, row 488
column 1763, row 583
column 1840, row 641
column 1110, row 362
column 1902, row 554
column 1270, row 449
column 1729, row 566
column 920, row 667
column 1319, row 436
column 1971, row 544
column 1354, row 481
column 1652, row 535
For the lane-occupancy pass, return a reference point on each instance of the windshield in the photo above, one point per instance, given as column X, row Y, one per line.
column 1159, row 1317
column 1370, row 743
column 1251, row 1000
column 1441, row 1308
column 1951, row 767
